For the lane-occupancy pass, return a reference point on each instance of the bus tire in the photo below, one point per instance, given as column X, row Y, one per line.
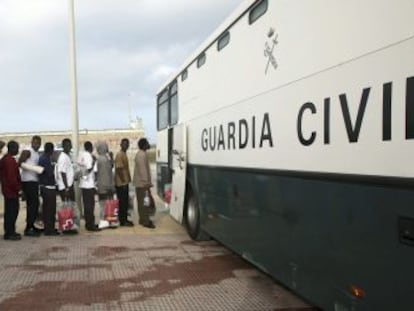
column 193, row 219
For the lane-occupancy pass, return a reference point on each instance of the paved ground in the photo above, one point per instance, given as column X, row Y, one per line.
column 132, row 269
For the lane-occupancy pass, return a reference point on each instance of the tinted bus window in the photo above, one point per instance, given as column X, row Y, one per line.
column 184, row 75
column 173, row 88
column 174, row 109
column 163, row 115
column 201, row 60
column 173, row 103
column 223, row 40
column 163, row 97
column 257, row 11
column 162, row 110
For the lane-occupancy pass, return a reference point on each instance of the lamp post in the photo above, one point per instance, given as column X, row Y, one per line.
column 74, row 101
column 73, row 80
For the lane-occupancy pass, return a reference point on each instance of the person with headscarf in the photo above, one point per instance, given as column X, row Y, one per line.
column 104, row 175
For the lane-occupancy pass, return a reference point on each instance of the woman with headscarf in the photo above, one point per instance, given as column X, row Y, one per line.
column 104, row 177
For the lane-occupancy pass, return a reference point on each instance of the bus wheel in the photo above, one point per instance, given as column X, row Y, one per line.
column 193, row 220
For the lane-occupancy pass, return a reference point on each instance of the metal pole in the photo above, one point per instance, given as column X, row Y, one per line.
column 73, row 81
column 74, row 102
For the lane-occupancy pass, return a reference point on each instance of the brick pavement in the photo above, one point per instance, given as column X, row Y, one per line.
column 133, row 269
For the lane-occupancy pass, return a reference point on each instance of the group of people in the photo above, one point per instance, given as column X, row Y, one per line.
column 35, row 173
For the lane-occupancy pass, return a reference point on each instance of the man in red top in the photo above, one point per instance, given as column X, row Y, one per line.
column 11, row 185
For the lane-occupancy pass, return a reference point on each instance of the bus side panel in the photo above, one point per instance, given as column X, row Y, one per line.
column 318, row 237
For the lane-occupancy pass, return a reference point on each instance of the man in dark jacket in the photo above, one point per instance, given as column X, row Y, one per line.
column 48, row 190
column 122, row 180
column 11, row 185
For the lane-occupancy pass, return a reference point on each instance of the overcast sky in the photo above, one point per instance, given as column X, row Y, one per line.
column 126, row 49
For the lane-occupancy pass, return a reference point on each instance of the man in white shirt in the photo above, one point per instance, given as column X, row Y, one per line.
column 87, row 184
column 65, row 172
column 30, row 185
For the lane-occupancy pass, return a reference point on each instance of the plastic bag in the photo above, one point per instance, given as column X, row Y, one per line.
column 111, row 208
column 149, row 203
column 65, row 218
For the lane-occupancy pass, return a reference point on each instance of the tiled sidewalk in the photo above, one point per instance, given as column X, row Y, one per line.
column 132, row 272
column 132, row 269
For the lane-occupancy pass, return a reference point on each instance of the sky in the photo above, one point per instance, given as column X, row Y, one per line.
column 126, row 50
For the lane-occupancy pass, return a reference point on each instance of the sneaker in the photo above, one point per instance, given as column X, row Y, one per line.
column 103, row 224
column 31, row 232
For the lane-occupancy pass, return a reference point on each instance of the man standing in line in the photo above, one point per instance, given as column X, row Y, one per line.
column 87, row 184
column 104, row 178
column 48, row 190
column 142, row 182
column 65, row 172
column 65, row 177
column 30, row 184
column 11, row 185
column 122, row 180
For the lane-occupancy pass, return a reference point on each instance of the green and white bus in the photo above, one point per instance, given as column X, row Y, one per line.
column 288, row 136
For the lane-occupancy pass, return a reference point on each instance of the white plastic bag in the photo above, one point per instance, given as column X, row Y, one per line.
column 103, row 224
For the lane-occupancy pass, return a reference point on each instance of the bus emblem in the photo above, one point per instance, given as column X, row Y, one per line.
column 269, row 48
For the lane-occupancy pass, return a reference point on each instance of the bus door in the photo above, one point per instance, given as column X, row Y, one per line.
column 179, row 170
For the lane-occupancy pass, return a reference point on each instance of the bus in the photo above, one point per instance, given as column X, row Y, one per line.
column 288, row 136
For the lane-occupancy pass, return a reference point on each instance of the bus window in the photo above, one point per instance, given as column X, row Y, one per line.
column 173, row 88
column 163, row 115
column 162, row 107
column 201, row 60
column 258, row 10
column 173, row 104
column 223, row 40
column 184, row 75
column 173, row 109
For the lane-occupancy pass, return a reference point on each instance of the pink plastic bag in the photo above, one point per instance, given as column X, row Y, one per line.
column 65, row 218
column 111, row 211
column 167, row 195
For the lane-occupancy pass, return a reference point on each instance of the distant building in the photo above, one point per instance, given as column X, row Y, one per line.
column 111, row 136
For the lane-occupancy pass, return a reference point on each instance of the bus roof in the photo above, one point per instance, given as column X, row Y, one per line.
column 226, row 24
